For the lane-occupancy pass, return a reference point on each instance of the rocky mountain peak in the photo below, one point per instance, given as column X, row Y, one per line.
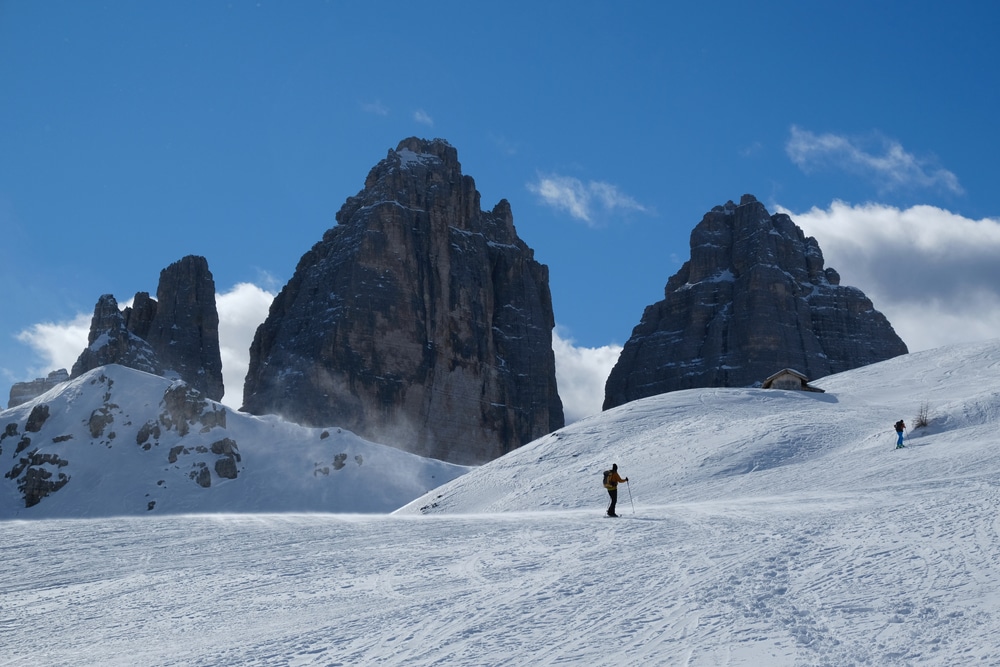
column 754, row 298
column 110, row 342
column 420, row 320
column 421, row 175
column 184, row 330
column 175, row 334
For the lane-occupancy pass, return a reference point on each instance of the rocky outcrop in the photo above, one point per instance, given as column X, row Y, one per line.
column 754, row 298
column 184, row 407
column 35, row 477
column 110, row 342
column 39, row 415
column 36, row 474
column 22, row 392
column 419, row 321
column 177, row 334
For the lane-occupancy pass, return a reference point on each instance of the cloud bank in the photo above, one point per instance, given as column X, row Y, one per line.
column 241, row 310
column 581, row 373
column 57, row 344
column 879, row 158
column 932, row 272
column 589, row 202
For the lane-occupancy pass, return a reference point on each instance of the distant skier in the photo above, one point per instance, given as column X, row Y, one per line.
column 611, row 481
column 900, row 427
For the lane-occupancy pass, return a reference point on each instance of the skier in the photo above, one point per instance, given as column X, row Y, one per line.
column 611, row 484
column 900, row 427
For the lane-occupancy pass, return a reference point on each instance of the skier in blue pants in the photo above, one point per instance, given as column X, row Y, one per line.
column 900, row 427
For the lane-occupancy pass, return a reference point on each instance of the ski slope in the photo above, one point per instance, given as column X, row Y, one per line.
column 769, row 528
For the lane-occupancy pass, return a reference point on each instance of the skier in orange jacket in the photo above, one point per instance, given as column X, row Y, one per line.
column 614, row 479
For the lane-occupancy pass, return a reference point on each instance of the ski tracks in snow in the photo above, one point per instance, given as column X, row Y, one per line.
column 893, row 577
column 894, row 582
column 873, row 581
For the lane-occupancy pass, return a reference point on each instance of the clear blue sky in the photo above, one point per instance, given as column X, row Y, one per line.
column 134, row 133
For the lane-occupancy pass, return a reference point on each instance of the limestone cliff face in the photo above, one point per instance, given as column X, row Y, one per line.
column 419, row 321
column 22, row 392
column 184, row 330
column 754, row 298
column 175, row 334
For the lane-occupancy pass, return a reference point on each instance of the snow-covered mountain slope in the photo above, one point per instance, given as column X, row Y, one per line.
column 769, row 528
column 120, row 441
column 706, row 444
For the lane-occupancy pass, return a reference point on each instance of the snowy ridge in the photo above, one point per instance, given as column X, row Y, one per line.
column 122, row 450
column 769, row 528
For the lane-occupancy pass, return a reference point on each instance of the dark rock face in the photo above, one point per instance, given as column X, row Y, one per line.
column 34, row 476
column 110, row 342
column 178, row 333
column 39, row 415
column 419, row 321
column 139, row 317
column 184, row 331
column 754, row 298
column 37, row 475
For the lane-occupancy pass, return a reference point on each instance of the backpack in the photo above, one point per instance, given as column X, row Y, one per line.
column 607, row 474
column 899, row 426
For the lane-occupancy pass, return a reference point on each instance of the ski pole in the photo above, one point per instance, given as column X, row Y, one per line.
column 630, row 496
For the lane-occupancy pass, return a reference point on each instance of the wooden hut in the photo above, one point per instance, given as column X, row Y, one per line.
column 787, row 378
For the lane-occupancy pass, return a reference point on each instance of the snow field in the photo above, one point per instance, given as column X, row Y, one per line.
column 779, row 581
column 770, row 528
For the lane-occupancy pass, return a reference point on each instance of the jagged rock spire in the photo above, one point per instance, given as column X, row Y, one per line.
column 110, row 342
column 184, row 330
column 419, row 321
column 177, row 334
column 754, row 298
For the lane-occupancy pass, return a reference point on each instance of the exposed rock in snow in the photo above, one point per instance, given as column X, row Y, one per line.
column 119, row 441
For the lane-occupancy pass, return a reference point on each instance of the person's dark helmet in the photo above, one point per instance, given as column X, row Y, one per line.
column 614, row 466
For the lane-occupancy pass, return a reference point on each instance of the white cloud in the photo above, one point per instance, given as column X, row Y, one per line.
column 581, row 373
column 936, row 321
column 375, row 108
column 423, row 117
column 584, row 201
column 933, row 273
column 880, row 158
column 57, row 343
column 241, row 310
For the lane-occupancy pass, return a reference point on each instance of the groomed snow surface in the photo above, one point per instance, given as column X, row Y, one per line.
column 769, row 528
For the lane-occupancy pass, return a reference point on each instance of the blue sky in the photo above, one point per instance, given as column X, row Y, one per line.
column 133, row 134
